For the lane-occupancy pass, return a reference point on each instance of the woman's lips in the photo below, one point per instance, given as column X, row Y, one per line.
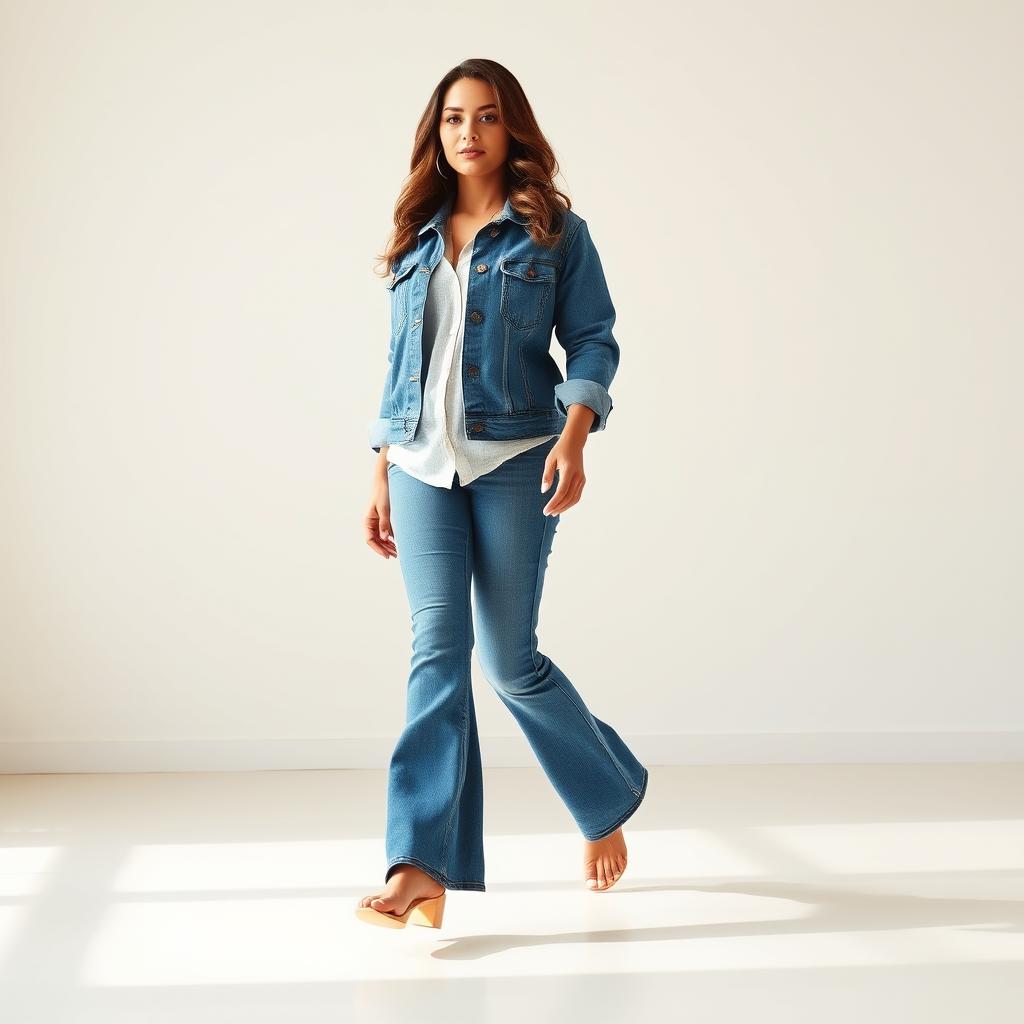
column 471, row 154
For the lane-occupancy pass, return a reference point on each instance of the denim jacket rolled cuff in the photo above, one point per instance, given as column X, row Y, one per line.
column 378, row 433
column 584, row 392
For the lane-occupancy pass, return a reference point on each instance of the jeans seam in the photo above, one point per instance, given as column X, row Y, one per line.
column 464, row 742
column 554, row 676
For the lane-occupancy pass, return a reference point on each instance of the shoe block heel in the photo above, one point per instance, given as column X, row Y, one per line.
column 429, row 913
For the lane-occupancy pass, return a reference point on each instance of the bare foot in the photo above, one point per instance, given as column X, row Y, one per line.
column 604, row 860
column 406, row 884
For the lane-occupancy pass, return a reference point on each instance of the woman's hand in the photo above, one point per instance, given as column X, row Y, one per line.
column 378, row 516
column 567, row 457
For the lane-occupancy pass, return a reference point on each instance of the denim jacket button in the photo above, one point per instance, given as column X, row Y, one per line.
column 473, row 370
column 476, row 316
column 531, row 272
column 494, row 231
column 481, row 267
column 477, row 427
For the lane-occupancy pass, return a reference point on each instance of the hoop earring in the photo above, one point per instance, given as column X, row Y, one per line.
column 437, row 164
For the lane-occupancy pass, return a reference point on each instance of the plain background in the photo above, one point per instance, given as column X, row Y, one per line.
column 800, row 536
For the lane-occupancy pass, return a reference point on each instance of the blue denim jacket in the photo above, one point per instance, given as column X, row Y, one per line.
column 518, row 292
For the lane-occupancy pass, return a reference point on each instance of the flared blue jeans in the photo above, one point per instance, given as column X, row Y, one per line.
column 490, row 538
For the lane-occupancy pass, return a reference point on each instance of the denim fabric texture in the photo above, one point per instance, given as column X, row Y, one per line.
column 518, row 293
column 473, row 559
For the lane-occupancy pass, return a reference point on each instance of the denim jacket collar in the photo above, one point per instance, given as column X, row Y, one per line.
column 439, row 218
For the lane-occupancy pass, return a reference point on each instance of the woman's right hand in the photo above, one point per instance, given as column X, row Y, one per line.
column 378, row 515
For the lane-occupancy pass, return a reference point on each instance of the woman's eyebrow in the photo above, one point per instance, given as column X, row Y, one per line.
column 486, row 106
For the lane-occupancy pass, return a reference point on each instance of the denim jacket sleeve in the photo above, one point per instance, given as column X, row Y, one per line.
column 584, row 316
column 379, row 427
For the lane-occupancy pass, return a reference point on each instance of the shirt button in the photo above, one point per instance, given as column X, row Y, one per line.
column 474, row 371
column 477, row 427
column 481, row 267
column 476, row 316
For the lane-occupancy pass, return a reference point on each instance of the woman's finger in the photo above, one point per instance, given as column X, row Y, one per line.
column 573, row 490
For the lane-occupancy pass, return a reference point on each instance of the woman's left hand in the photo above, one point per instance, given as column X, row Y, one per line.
column 567, row 457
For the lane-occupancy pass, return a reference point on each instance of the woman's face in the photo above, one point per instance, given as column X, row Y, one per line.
column 469, row 119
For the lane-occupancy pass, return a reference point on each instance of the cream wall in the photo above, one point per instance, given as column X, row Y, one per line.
column 800, row 537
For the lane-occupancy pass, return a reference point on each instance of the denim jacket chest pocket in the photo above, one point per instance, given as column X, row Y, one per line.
column 527, row 289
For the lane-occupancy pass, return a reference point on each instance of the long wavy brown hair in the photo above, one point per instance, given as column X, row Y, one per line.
column 529, row 170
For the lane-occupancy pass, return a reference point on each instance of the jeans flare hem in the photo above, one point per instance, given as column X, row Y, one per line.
column 438, row 876
column 623, row 817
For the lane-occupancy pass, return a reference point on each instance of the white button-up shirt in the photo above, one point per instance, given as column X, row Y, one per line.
column 441, row 449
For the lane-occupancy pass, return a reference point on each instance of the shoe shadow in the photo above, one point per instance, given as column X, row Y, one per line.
column 834, row 909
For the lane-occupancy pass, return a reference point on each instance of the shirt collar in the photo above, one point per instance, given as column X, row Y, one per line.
column 438, row 220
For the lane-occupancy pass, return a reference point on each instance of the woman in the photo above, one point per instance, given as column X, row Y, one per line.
column 475, row 426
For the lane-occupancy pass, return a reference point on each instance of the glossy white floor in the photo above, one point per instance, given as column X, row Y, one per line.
column 841, row 893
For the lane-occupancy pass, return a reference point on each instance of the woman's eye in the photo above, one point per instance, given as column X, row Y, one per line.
column 455, row 117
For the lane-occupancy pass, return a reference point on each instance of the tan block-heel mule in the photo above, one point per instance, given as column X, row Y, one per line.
column 427, row 911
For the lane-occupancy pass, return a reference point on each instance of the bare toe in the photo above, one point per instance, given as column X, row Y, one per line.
column 605, row 860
